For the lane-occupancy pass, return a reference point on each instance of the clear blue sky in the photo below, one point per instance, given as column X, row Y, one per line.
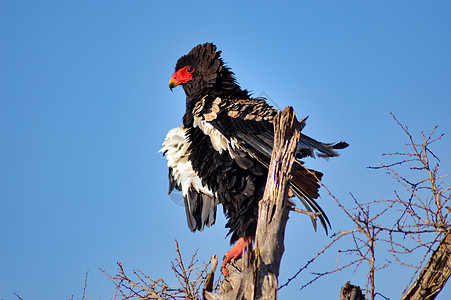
column 85, row 105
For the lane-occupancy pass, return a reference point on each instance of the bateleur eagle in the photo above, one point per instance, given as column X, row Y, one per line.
column 222, row 152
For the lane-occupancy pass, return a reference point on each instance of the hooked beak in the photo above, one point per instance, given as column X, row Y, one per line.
column 173, row 83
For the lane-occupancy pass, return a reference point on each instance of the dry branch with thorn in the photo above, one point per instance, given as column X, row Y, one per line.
column 140, row 286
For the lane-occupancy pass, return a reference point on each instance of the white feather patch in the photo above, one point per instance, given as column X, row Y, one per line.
column 175, row 149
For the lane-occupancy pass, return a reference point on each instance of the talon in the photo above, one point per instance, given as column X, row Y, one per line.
column 235, row 252
column 225, row 272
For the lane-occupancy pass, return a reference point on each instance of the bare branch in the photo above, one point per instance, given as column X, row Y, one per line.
column 190, row 281
column 422, row 214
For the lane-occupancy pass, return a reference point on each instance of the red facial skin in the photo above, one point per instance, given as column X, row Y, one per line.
column 182, row 76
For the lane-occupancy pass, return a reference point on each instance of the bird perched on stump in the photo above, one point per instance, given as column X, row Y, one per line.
column 222, row 152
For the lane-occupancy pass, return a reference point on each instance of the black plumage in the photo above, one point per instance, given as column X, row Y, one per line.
column 227, row 139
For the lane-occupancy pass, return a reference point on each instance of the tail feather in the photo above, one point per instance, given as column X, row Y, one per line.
column 305, row 186
column 308, row 146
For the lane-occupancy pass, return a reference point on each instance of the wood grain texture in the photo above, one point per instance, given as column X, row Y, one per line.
column 254, row 276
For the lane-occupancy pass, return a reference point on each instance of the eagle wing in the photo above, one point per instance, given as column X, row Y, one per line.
column 244, row 128
column 200, row 202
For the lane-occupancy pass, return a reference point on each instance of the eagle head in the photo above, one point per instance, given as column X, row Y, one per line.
column 202, row 71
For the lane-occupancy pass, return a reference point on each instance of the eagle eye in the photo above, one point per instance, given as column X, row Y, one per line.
column 189, row 69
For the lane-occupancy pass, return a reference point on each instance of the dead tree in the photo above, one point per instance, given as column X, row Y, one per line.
column 423, row 218
column 254, row 276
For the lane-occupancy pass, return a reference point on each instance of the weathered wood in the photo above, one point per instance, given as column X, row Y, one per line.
column 273, row 211
column 254, row 276
column 209, row 280
column 434, row 275
column 351, row 292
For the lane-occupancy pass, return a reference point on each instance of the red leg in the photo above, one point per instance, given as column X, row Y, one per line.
column 235, row 252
